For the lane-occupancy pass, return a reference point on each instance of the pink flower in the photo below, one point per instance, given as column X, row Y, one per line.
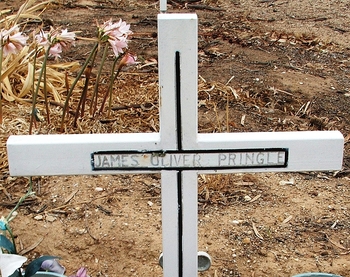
column 56, row 50
column 42, row 39
column 116, row 34
column 9, row 48
column 115, row 30
column 128, row 59
column 65, row 38
column 82, row 272
column 124, row 28
column 13, row 40
column 55, row 41
column 111, row 30
column 118, row 46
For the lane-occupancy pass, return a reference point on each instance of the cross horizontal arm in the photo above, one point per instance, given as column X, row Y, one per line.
column 306, row 150
column 211, row 153
column 70, row 154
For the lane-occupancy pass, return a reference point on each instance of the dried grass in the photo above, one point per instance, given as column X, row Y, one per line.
column 18, row 72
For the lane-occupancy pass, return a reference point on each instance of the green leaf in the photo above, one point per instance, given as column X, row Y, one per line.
column 7, row 244
column 35, row 265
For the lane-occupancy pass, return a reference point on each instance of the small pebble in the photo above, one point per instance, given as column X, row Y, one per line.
column 246, row 240
column 81, row 231
column 247, row 198
column 291, row 181
column 50, row 218
column 38, row 217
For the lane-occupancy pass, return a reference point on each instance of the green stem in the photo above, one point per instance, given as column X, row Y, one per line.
column 110, row 84
column 12, row 238
column 93, row 103
column 82, row 97
column 75, row 82
column 8, row 218
column 20, row 201
column 35, row 95
column 111, row 92
column 45, row 97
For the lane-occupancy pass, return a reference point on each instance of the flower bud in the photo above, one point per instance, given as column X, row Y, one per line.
column 128, row 59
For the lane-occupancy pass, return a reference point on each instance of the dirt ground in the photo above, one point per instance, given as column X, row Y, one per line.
column 287, row 62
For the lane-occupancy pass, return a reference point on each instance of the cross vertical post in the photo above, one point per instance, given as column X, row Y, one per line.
column 189, row 223
column 170, row 223
column 163, row 5
column 177, row 59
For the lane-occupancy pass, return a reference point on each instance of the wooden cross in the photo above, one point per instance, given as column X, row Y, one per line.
column 178, row 151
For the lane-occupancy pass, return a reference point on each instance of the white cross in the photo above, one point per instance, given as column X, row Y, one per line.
column 178, row 151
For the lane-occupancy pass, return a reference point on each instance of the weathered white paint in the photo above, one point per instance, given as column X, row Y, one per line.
column 184, row 31
column 170, row 223
column 308, row 150
column 73, row 154
column 163, row 5
column 189, row 223
column 39, row 155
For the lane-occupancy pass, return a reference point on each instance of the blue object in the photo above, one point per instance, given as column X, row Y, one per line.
column 316, row 274
column 3, row 225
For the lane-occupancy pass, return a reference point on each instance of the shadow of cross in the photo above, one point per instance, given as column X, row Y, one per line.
column 178, row 151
